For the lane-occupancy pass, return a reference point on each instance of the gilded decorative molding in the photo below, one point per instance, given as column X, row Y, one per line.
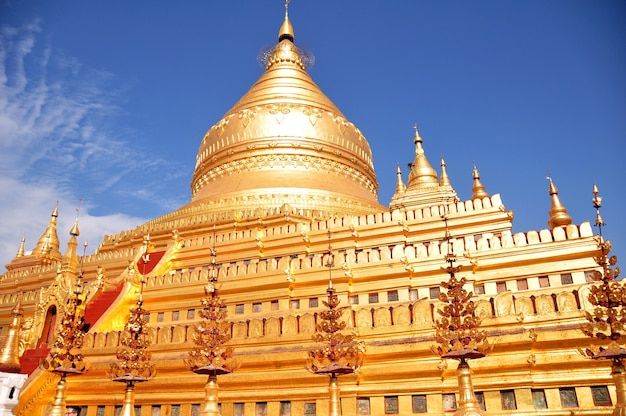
column 37, row 399
column 247, row 114
column 293, row 160
column 313, row 113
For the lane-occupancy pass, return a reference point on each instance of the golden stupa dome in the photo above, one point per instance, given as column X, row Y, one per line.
column 285, row 142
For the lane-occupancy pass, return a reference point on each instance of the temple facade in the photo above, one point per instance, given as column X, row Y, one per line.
column 284, row 184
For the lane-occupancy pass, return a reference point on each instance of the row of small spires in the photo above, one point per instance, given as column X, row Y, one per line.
column 423, row 175
column 48, row 244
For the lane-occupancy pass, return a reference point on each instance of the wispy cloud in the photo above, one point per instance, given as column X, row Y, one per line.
column 56, row 144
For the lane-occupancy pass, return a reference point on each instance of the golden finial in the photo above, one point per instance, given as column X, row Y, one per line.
column 417, row 139
column 478, row 190
column 445, row 179
column 286, row 30
column 9, row 349
column 400, row 186
column 558, row 213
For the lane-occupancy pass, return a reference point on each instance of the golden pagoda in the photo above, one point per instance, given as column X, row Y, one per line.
column 274, row 176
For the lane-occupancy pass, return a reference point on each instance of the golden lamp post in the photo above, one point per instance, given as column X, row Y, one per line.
column 606, row 322
column 65, row 355
column 458, row 333
column 338, row 352
column 133, row 365
column 133, row 358
column 210, row 354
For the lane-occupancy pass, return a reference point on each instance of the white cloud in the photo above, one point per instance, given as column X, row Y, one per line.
column 26, row 213
column 55, row 145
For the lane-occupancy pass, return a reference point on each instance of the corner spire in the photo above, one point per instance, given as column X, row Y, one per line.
column 286, row 30
column 70, row 259
column 444, row 181
column 20, row 251
column 400, row 186
column 9, row 349
column 558, row 213
column 478, row 190
column 48, row 243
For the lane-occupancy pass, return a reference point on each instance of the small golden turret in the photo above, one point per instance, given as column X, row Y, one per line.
column 9, row 349
column 444, row 181
column 424, row 187
column 400, row 186
column 558, row 213
column 478, row 190
column 422, row 175
column 48, row 244
column 20, row 251
column 70, row 259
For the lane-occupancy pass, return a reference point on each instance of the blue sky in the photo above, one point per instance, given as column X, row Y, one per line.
column 109, row 101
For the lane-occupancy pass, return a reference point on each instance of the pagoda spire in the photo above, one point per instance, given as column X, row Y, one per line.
column 48, row 243
column 444, row 181
column 424, row 187
column 9, row 349
column 558, row 213
column 70, row 259
column 478, row 190
column 400, row 186
column 422, row 175
column 20, row 251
